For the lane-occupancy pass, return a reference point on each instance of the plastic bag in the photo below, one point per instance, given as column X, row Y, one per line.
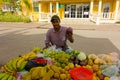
column 115, row 78
column 35, row 63
column 110, row 70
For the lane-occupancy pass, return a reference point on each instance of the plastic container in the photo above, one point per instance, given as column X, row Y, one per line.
column 81, row 73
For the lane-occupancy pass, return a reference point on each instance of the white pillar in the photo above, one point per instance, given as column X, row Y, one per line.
column 40, row 18
column 57, row 7
column 50, row 13
column 117, row 9
column 91, row 8
column 99, row 11
column 51, row 8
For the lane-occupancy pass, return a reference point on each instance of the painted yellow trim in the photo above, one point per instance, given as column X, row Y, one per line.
column 45, row 6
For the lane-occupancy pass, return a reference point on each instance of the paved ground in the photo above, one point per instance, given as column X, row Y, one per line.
column 21, row 38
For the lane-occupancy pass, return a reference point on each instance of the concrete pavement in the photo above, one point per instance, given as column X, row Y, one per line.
column 20, row 38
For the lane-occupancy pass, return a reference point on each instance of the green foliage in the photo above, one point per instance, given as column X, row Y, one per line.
column 12, row 17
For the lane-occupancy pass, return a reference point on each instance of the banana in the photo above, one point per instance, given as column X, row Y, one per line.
column 7, row 70
column 27, row 76
column 34, row 73
column 32, row 55
column 9, row 65
column 48, row 75
column 42, row 72
column 22, row 65
column 5, row 77
column 10, row 77
column 14, row 63
column 26, row 57
column 20, row 61
column 29, row 55
column 14, row 78
column 2, row 75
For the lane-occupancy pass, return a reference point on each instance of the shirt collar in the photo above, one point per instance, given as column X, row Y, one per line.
column 59, row 30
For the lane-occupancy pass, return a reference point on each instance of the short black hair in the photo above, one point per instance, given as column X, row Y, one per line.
column 55, row 17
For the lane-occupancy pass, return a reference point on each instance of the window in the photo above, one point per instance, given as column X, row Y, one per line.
column 36, row 6
column 7, row 7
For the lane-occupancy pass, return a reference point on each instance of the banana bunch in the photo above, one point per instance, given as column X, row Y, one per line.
column 18, row 63
column 33, row 74
column 10, row 66
column 29, row 55
column 36, row 73
column 21, row 63
column 14, row 65
column 6, row 76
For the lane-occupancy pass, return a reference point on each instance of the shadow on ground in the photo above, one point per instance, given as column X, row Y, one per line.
column 13, row 45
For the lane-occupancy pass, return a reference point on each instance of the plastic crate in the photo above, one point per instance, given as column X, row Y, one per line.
column 81, row 74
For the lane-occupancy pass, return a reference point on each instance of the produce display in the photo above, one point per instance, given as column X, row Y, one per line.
column 54, row 64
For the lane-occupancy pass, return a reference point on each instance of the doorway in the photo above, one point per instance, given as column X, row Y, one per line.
column 77, row 10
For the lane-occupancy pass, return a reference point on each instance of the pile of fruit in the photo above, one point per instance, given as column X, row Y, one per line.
column 54, row 64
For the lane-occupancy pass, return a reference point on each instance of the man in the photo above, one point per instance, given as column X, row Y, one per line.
column 58, row 35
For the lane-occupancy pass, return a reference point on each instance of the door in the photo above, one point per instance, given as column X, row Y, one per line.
column 106, row 10
column 73, row 11
column 77, row 11
column 86, row 10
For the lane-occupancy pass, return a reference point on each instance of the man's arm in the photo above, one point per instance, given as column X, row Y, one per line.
column 47, row 45
column 69, row 34
column 47, row 40
column 70, row 37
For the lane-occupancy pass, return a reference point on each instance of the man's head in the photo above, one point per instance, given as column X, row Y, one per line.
column 55, row 22
column 55, row 17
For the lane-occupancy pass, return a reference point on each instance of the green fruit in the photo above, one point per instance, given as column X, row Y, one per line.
column 81, row 56
column 10, row 77
column 5, row 77
column 2, row 75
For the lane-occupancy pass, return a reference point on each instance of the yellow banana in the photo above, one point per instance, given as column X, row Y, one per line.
column 14, row 63
column 29, row 55
column 35, row 73
column 20, row 61
column 27, row 76
column 22, row 65
column 42, row 72
column 6, row 69
column 48, row 75
column 9, row 65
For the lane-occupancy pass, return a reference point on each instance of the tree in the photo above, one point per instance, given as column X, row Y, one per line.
column 16, row 4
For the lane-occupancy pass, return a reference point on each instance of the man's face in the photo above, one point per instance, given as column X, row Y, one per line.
column 56, row 24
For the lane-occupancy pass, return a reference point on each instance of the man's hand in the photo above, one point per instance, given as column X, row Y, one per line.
column 70, row 37
column 47, row 45
column 69, row 33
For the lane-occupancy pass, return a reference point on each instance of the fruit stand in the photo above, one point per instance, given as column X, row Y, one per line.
column 55, row 64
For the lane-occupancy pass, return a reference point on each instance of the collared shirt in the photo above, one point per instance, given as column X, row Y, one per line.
column 57, row 38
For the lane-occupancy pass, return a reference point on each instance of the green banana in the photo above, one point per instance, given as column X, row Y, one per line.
column 5, row 77
column 14, row 63
column 22, row 65
column 9, row 65
column 14, row 78
column 10, row 77
column 2, row 75
column 7, row 70
column 20, row 61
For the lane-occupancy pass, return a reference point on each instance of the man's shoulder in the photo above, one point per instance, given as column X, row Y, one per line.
column 64, row 27
column 50, row 29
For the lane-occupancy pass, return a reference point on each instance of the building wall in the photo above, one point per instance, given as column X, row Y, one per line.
column 25, row 10
column 45, row 6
